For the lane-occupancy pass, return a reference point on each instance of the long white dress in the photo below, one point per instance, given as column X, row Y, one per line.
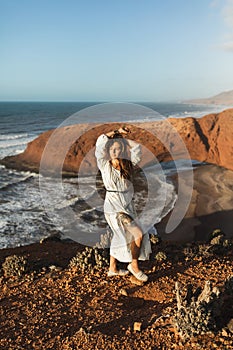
column 119, row 193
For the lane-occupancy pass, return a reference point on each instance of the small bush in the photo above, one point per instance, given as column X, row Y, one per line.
column 15, row 266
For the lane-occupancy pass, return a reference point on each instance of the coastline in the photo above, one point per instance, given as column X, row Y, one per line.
column 208, row 138
column 70, row 150
column 210, row 207
column 54, row 306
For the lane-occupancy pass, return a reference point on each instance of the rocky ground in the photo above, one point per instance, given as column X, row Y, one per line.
column 53, row 304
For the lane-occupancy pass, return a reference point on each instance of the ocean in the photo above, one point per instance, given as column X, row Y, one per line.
column 23, row 216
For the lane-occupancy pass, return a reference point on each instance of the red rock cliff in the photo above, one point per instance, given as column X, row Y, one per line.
column 208, row 139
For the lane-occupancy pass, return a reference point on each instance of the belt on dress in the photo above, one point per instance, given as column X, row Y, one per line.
column 116, row 191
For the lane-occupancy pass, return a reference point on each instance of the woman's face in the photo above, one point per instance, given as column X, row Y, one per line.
column 115, row 150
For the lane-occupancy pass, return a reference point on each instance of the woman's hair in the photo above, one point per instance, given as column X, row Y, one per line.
column 125, row 163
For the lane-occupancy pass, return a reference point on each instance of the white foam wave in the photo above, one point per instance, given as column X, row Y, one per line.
column 66, row 203
column 18, row 151
column 13, row 177
column 29, row 173
column 12, row 146
column 12, row 136
column 2, row 224
column 145, row 119
column 15, row 142
column 207, row 109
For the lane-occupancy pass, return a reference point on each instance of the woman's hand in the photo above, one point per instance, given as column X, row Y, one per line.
column 124, row 130
column 119, row 132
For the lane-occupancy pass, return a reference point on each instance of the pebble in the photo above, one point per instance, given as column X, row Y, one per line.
column 137, row 326
column 215, row 345
column 230, row 325
column 123, row 292
column 224, row 333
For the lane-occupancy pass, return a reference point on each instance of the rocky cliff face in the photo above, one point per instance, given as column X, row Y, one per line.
column 71, row 149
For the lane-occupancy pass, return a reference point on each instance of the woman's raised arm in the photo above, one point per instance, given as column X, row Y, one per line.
column 135, row 148
column 100, row 150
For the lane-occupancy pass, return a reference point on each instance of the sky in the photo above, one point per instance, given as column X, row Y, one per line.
column 115, row 50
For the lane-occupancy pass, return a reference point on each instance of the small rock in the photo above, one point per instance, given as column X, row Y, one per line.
column 137, row 326
column 230, row 325
column 51, row 238
column 224, row 333
column 81, row 330
column 123, row 292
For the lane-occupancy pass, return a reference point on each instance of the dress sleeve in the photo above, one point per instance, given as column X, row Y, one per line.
column 136, row 154
column 100, row 150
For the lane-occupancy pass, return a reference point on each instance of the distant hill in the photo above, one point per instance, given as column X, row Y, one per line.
column 224, row 98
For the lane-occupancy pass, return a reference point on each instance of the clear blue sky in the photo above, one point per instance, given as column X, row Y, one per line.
column 115, row 50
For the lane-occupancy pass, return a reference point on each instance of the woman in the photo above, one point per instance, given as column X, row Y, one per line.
column 128, row 243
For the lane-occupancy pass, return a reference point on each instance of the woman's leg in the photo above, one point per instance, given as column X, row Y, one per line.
column 137, row 234
column 113, row 264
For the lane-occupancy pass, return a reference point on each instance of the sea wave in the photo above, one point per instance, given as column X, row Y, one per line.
column 12, row 136
column 197, row 112
column 15, row 183
column 10, row 177
column 8, row 143
column 14, row 144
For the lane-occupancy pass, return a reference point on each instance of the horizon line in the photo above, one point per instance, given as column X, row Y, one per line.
column 93, row 101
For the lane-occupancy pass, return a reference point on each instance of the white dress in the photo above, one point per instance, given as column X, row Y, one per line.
column 119, row 194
